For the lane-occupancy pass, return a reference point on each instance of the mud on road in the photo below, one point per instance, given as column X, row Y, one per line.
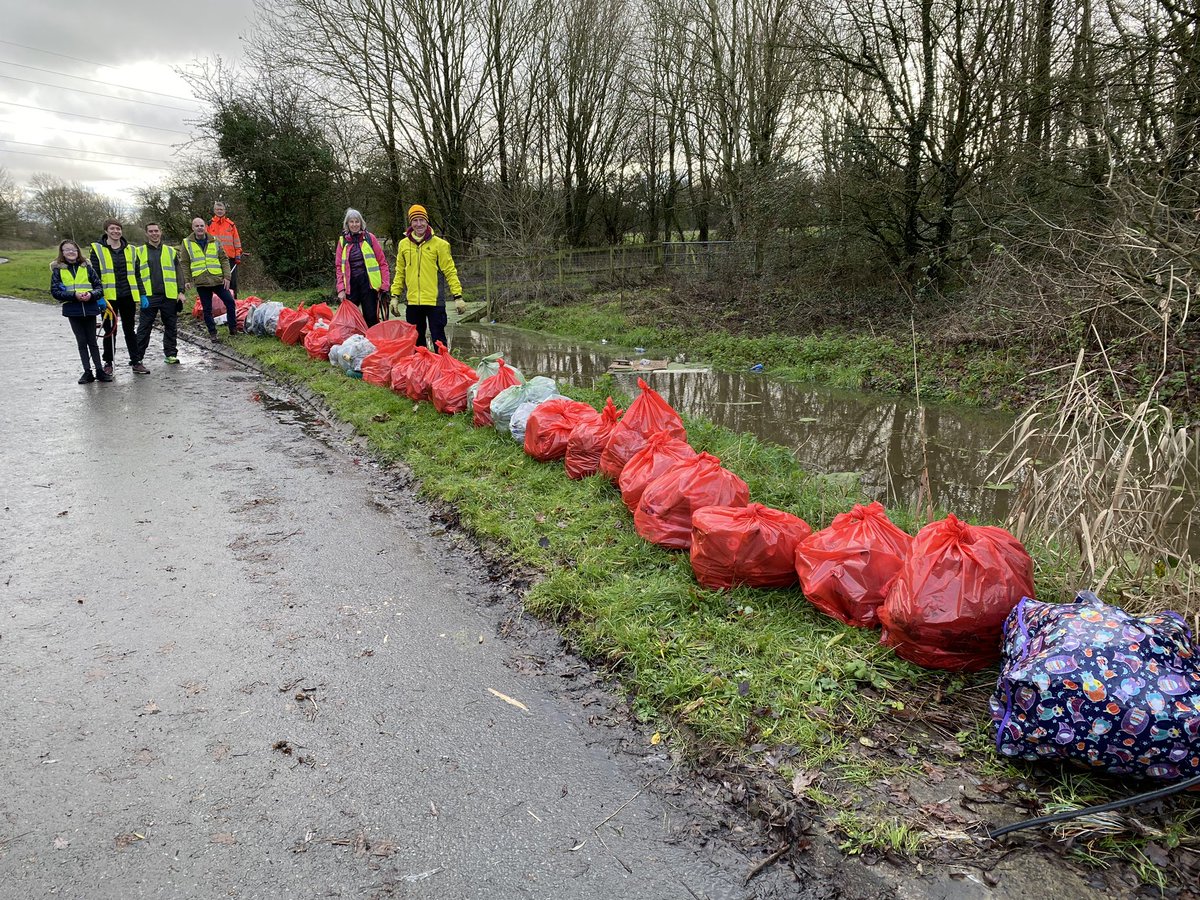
column 240, row 659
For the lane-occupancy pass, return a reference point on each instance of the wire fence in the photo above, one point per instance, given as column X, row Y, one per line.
column 489, row 274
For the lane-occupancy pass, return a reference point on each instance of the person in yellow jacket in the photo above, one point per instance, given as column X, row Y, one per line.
column 424, row 271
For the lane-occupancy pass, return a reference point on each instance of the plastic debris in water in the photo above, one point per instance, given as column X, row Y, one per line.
column 757, row 367
column 639, row 349
column 604, row 340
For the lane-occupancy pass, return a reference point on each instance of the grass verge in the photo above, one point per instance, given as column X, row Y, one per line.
column 27, row 273
column 757, row 676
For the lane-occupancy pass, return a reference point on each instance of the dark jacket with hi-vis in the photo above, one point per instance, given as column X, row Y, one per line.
column 66, row 280
column 159, row 274
column 203, row 264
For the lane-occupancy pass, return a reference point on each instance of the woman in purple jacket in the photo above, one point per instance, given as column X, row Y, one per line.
column 76, row 286
column 361, row 267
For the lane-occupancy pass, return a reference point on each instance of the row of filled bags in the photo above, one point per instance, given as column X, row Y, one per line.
column 941, row 598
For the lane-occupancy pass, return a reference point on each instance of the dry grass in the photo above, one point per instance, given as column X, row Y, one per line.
column 1110, row 488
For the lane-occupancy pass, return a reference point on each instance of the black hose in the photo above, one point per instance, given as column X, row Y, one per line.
column 1157, row 794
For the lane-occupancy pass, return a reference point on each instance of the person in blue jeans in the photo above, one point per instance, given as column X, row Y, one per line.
column 203, row 262
column 76, row 286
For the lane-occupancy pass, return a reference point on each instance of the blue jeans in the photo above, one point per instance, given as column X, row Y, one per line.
column 206, row 299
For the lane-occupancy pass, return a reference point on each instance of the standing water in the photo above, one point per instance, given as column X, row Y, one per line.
column 876, row 437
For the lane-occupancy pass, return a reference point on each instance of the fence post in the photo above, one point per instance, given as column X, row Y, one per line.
column 487, row 285
column 611, row 266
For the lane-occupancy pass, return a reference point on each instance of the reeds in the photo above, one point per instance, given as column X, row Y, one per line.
column 1109, row 487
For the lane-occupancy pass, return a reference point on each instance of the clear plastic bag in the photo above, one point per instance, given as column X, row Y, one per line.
column 348, row 356
column 520, row 417
column 506, row 402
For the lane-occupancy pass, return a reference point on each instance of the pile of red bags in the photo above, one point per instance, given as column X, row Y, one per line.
column 847, row 569
column 660, row 452
column 393, row 341
column 450, row 379
column 550, row 425
column 752, row 545
column 947, row 606
column 410, row 376
column 587, row 442
column 487, row 391
column 647, row 414
column 664, row 513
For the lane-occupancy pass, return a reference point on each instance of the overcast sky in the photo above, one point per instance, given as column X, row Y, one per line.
column 116, row 50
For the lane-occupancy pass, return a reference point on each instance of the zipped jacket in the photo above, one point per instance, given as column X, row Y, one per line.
column 65, row 280
column 223, row 229
column 374, row 259
column 423, row 270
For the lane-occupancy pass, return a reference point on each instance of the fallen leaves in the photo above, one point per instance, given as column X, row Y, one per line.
column 149, row 709
column 122, row 841
column 61, row 843
column 223, row 837
column 803, row 780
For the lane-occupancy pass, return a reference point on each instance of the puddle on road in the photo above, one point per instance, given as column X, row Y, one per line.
column 288, row 412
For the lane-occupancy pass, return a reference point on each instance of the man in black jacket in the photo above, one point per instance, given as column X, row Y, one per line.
column 158, row 278
column 112, row 257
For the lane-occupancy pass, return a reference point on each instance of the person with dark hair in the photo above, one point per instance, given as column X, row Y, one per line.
column 360, row 267
column 425, row 273
column 222, row 228
column 204, row 263
column 112, row 258
column 77, row 288
column 158, row 277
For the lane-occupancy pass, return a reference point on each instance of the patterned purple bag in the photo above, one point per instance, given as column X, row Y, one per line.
column 1090, row 683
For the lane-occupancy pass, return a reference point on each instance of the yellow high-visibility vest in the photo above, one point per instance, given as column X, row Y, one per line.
column 373, row 274
column 108, row 277
column 170, row 284
column 205, row 260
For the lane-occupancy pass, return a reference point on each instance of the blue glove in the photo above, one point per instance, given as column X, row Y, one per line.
column 145, row 302
column 101, row 303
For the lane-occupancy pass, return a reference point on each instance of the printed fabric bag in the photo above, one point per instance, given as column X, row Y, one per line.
column 1092, row 684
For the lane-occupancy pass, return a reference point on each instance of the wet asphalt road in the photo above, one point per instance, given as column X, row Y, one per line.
column 235, row 662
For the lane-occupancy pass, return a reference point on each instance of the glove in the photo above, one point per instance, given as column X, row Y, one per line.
column 145, row 302
column 178, row 306
column 397, row 308
column 100, row 303
column 460, row 305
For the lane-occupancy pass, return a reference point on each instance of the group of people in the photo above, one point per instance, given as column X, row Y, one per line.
column 425, row 275
column 118, row 280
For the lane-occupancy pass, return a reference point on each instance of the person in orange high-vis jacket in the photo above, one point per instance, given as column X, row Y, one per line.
column 222, row 228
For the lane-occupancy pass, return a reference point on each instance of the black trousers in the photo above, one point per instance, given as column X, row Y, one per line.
column 364, row 297
column 84, row 328
column 170, row 321
column 233, row 273
column 127, row 314
column 433, row 316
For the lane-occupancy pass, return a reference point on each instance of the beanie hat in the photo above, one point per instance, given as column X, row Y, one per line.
column 417, row 210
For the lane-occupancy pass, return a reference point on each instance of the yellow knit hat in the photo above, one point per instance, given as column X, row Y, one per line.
column 417, row 210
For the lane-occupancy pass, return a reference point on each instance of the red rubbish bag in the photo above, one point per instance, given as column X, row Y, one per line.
column 346, row 322
column 847, row 569
column 587, row 441
column 198, row 308
column 647, row 414
column 318, row 342
column 377, row 368
column 550, row 425
column 321, row 311
column 411, row 375
column 947, row 606
column 392, row 330
column 488, row 389
column 752, row 545
column 662, row 450
column 449, row 382
column 293, row 330
column 664, row 514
